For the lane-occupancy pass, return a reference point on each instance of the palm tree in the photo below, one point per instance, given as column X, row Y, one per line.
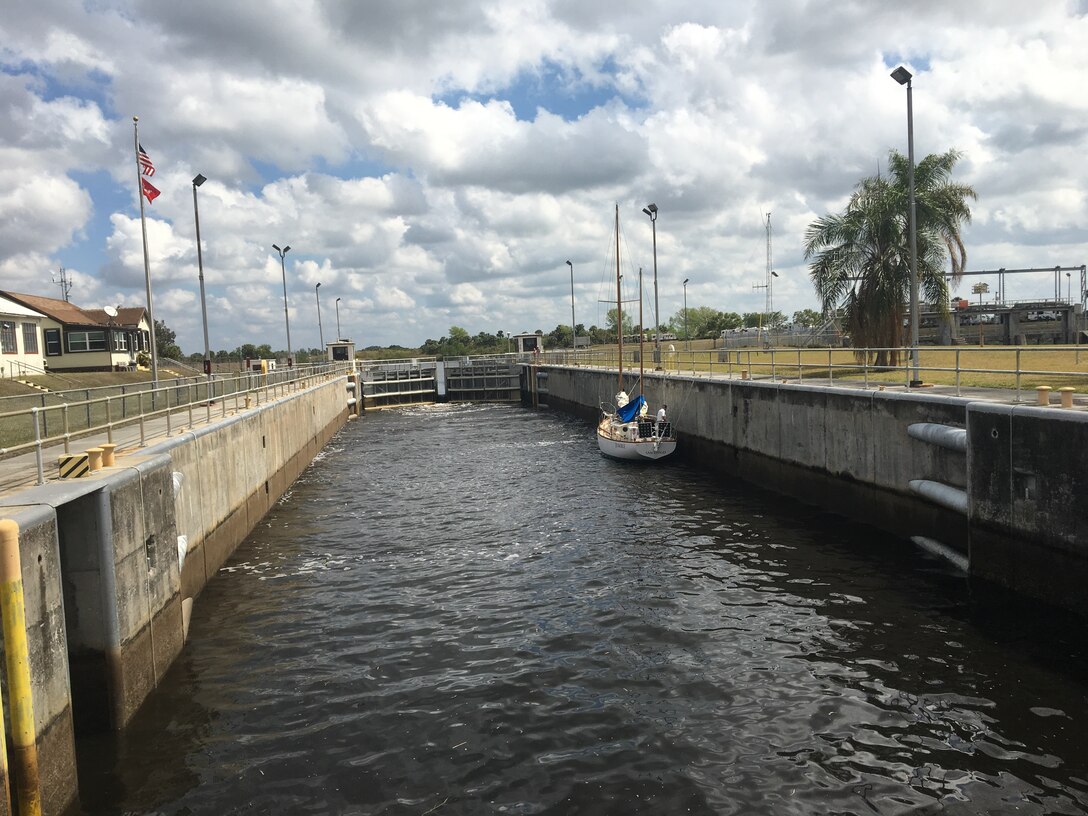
column 862, row 255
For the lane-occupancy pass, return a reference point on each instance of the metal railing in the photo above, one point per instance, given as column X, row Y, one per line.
column 59, row 419
column 1015, row 368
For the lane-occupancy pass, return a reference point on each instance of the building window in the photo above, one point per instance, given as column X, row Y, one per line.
column 120, row 341
column 7, row 337
column 86, row 341
column 30, row 338
column 52, row 342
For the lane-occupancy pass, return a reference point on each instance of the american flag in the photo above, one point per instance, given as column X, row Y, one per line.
column 145, row 162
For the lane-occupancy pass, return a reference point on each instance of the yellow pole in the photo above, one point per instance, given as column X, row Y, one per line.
column 5, row 787
column 23, row 732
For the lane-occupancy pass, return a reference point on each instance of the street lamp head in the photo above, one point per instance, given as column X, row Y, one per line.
column 276, row 248
column 901, row 75
column 774, row 274
column 318, row 286
column 686, row 281
column 338, row 300
column 198, row 179
column 570, row 265
column 651, row 207
column 287, row 249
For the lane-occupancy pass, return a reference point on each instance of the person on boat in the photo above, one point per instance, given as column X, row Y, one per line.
column 661, row 415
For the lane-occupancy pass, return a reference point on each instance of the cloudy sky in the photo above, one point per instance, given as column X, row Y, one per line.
column 437, row 163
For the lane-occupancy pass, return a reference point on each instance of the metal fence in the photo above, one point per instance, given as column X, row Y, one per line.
column 1000, row 367
column 57, row 418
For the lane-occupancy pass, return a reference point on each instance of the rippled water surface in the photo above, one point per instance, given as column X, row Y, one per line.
column 467, row 610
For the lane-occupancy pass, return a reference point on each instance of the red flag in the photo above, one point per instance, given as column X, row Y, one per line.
column 145, row 161
column 149, row 190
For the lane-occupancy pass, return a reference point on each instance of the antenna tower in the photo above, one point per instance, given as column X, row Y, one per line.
column 64, row 284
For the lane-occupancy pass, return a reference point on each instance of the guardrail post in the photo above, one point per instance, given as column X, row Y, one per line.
column 38, row 446
column 774, row 374
column 865, row 368
column 957, row 372
column 800, row 374
column 87, row 404
column 143, row 435
column 109, row 420
column 45, row 419
column 1018, row 375
column 830, row 372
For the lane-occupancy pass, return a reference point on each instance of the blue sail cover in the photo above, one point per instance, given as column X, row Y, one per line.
column 631, row 409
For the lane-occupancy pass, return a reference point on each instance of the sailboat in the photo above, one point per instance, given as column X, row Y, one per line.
column 624, row 430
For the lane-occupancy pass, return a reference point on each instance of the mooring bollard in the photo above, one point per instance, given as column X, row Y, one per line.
column 744, row 374
column 1067, row 396
column 24, row 749
column 1042, row 395
column 107, row 454
column 94, row 458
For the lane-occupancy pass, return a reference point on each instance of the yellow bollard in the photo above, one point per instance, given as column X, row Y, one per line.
column 1042, row 395
column 1067, row 396
column 94, row 458
column 24, row 748
column 107, row 454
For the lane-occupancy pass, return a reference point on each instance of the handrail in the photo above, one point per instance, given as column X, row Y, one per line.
column 33, row 429
column 828, row 365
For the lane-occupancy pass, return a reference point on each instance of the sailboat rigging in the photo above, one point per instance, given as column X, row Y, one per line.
column 624, row 431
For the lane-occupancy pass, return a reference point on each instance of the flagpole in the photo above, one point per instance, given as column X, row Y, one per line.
column 147, row 260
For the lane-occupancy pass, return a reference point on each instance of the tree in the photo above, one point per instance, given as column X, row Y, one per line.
column 628, row 324
column 807, row 318
column 165, row 347
column 861, row 257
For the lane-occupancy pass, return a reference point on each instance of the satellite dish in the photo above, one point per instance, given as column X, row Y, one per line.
column 111, row 311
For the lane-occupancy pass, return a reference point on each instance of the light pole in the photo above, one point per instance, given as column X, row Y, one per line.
column 338, row 336
column 687, row 336
column 199, row 179
column 573, row 325
column 287, row 321
column 903, row 77
column 320, row 331
column 980, row 289
column 651, row 210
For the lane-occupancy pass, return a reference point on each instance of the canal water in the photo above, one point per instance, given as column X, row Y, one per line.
column 467, row 610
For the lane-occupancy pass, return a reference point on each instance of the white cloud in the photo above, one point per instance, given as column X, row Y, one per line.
column 437, row 164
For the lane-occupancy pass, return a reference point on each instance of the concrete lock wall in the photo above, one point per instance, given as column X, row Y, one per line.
column 110, row 561
column 1029, row 500
column 1023, row 477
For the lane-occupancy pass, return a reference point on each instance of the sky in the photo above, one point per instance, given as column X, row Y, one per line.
column 436, row 164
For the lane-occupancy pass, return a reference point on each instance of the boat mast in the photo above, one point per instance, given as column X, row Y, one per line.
column 619, row 299
column 641, row 334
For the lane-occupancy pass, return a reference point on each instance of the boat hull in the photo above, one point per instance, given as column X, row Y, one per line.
column 631, row 449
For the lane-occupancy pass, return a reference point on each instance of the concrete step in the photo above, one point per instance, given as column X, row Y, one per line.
column 33, row 385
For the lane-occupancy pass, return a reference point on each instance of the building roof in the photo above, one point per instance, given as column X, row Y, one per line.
column 126, row 316
column 11, row 307
column 59, row 310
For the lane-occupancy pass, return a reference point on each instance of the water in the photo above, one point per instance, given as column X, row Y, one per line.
column 467, row 610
